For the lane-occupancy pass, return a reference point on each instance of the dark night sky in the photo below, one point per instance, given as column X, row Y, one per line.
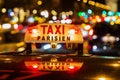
column 65, row 3
column 118, row 5
column 101, row 1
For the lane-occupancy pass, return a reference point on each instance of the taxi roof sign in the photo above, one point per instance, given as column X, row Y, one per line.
column 60, row 33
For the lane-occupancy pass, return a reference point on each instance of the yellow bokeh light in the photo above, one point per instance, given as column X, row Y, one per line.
column 97, row 4
column 16, row 10
column 112, row 23
column 34, row 11
column 0, row 38
column 0, row 26
column 117, row 21
column 108, row 7
column 101, row 5
column 63, row 13
column 67, row 13
column 91, row 3
column 85, row 20
column 20, row 44
column 3, row 10
column 102, row 78
column 97, row 16
column 70, row 12
column 54, row 12
column 115, row 65
column 83, row 25
column 94, row 21
column 85, row 1
column 7, row 59
column 39, row 2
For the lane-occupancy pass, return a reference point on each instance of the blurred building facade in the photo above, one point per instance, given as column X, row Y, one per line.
column 113, row 4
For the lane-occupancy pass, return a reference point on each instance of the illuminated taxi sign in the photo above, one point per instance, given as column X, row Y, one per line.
column 53, row 45
column 69, row 46
column 54, row 65
column 54, row 33
column 48, row 29
column 53, row 60
column 53, row 38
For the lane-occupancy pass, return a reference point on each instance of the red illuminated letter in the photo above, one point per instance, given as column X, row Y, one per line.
column 43, row 26
column 50, row 30
column 57, row 29
column 62, row 67
column 50, row 67
column 57, row 67
column 63, row 29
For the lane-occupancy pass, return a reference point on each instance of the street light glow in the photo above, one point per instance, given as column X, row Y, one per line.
column 101, row 78
column 34, row 11
column 4, row 10
column 39, row 2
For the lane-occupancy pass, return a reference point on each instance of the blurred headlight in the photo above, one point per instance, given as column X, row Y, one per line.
column 94, row 47
column 6, row 26
column 21, row 49
column 47, row 46
column 59, row 46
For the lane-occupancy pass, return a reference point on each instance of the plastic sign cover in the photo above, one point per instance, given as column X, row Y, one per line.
column 54, row 33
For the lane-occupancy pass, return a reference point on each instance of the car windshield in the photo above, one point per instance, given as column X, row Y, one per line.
column 98, row 21
column 59, row 39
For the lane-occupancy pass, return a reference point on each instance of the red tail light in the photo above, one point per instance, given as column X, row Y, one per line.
column 89, row 47
column 72, row 69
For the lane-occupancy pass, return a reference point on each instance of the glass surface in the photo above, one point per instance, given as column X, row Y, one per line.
column 99, row 21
